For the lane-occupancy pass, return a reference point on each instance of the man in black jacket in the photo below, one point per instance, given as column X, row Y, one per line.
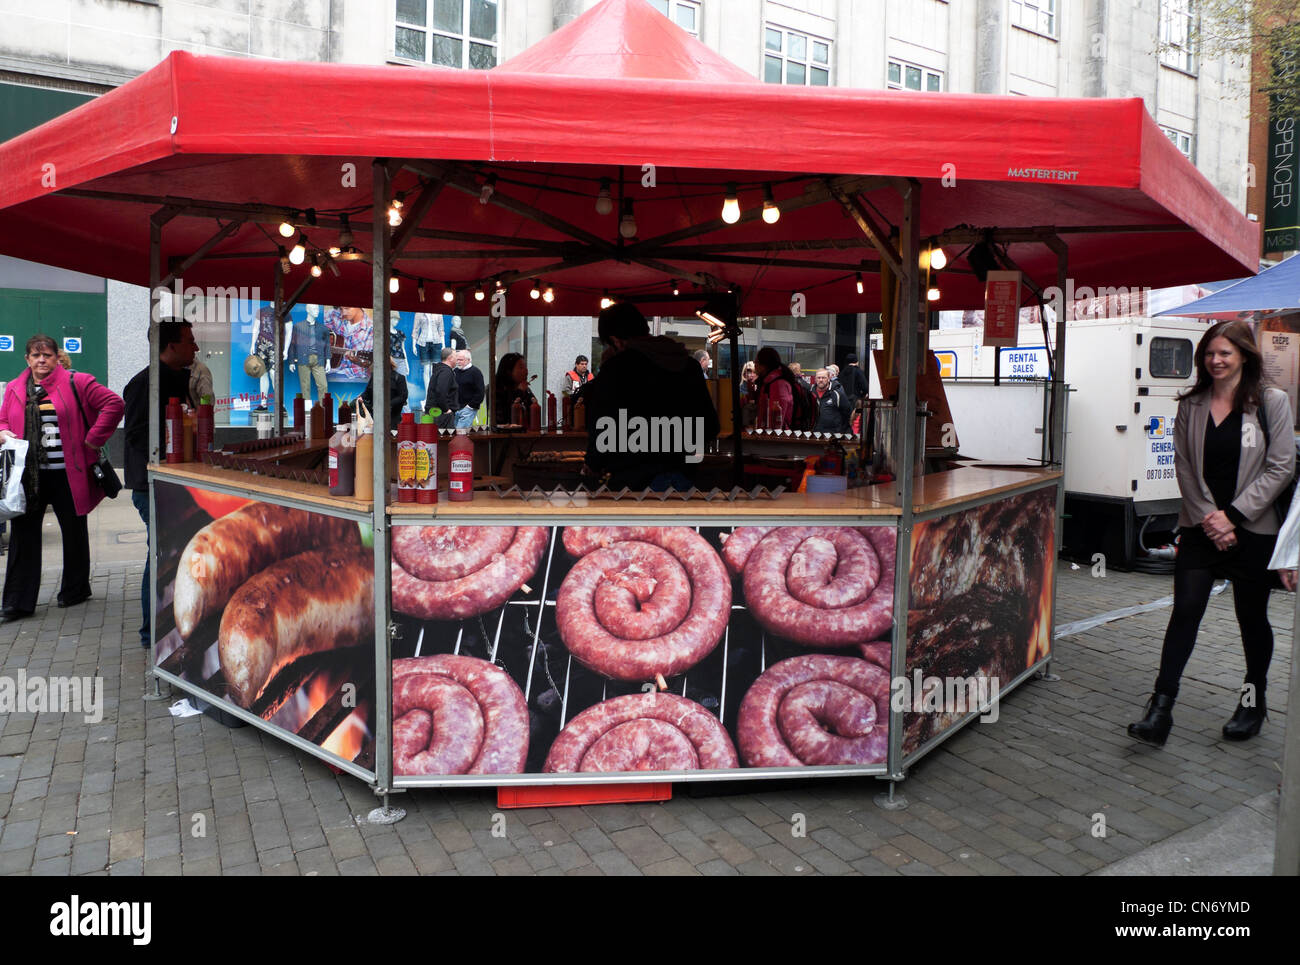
column 833, row 409
column 176, row 351
column 649, row 415
column 441, row 393
column 854, row 379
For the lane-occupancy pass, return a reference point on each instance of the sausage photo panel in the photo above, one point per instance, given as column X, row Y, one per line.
column 272, row 609
column 980, row 612
column 554, row 650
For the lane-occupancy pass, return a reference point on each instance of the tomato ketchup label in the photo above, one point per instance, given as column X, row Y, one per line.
column 334, row 468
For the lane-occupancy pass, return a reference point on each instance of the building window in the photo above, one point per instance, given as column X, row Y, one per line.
column 1177, row 34
column 449, row 33
column 1182, row 140
column 1036, row 15
column 905, row 76
column 684, row 13
column 790, row 57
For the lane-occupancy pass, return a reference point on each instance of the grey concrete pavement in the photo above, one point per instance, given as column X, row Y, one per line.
column 1053, row 788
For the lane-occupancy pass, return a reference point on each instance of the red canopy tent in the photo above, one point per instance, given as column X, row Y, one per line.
column 247, row 143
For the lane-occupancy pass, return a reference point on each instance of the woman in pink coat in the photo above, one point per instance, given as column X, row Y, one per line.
column 40, row 406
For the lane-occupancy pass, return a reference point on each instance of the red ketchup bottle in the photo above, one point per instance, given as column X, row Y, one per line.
column 568, row 410
column 175, row 431
column 299, row 414
column 550, row 411
column 517, row 414
column 205, row 427
column 534, row 416
column 406, row 459
column 327, row 403
column 318, row 422
column 426, row 461
column 460, row 453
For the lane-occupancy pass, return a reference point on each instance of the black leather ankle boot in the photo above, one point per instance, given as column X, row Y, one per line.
column 1154, row 727
column 1247, row 721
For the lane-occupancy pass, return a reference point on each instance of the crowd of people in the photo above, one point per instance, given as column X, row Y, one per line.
column 777, row 395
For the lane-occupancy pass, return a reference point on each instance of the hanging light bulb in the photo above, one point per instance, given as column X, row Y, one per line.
column 604, row 203
column 479, row 294
column 731, row 206
column 534, row 292
column 677, row 287
column 393, row 285
column 315, row 266
column 548, row 295
column 932, row 295
column 489, row 189
column 938, row 260
column 606, row 301
column 286, row 229
column 448, row 295
column 335, row 251
column 861, row 287
column 419, row 289
column 395, row 212
column 298, row 253
column 771, row 213
column 627, row 226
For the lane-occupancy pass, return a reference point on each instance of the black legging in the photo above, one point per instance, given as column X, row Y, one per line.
column 1191, row 594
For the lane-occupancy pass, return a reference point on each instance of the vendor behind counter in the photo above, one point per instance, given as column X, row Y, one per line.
column 645, row 378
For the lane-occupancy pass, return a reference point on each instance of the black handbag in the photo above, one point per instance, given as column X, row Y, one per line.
column 104, row 474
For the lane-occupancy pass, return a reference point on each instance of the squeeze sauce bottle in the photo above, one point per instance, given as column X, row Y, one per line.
column 406, row 459
column 318, row 422
column 550, row 411
column 299, row 412
column 534, row 416
column 461, row 476
column 327, row 404
column 205, row 426
column 175, row 431
column 343, row 461
column 188, row 421
column 426, row 460
column 365, row 457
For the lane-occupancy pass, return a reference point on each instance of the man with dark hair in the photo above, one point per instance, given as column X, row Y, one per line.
column 649, row 418
column 176, row 351
column 578, row 376
column 854, row 379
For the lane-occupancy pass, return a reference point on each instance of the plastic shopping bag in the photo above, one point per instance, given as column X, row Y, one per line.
column 13, row 459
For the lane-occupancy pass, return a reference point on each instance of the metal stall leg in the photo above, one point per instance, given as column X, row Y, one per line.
column 888, row 800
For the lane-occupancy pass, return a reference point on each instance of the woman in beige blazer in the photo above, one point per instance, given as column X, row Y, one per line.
column 1234, row 451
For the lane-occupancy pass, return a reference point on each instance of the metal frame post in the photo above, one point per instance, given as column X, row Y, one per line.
column 1286, row 848
column 1057, row 428
column 380, row 269
column 277, row 366
column 909, row 318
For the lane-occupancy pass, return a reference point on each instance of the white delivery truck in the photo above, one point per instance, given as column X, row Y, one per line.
column 1124, row 376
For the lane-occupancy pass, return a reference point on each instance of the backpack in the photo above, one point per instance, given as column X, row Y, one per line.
column 804, row 414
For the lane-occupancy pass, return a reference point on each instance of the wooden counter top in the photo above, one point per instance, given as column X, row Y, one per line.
column 197, row 474
column 857, row 502
column 932, row 492
column 941, row 489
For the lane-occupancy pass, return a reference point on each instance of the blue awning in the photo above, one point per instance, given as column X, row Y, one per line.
column 1275, row 290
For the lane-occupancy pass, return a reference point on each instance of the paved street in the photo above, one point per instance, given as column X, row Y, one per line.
column 144, row 792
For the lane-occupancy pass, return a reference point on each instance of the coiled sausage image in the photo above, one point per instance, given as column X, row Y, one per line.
column 642, row 601
column 458, row 572
column 225, row 553
column 642, row 732
column 310, row 603
column 821, row 586
column 816, row 710
column 457, row 715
